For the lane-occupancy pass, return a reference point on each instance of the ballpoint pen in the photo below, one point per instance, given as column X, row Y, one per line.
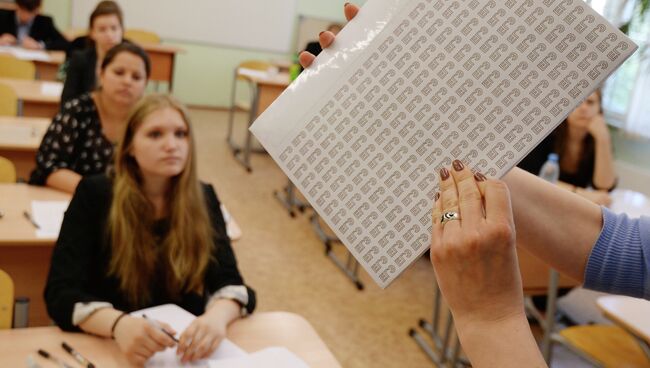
column 30, row 219
column 58, row 361
column 80, row 358
column 157, row 325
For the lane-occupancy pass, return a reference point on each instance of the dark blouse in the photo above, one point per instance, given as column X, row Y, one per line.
column 80, row 260
column 582, row 178
column 74, row 141
column 80, row 74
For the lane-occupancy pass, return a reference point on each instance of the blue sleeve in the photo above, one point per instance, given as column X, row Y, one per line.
column 620, row 259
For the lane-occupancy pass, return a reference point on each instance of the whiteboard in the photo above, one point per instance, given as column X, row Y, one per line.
column 310, row 27
column 247, row 24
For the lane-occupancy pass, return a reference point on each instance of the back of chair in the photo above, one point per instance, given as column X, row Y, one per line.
column 6, row 300
column 10, row 67
column 141, row 36
column 8, row 101
column 7, row 171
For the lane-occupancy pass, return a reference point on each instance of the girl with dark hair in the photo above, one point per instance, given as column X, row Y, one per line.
column 81, row 138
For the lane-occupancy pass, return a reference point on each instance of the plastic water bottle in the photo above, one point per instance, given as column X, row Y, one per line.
column 550, row 171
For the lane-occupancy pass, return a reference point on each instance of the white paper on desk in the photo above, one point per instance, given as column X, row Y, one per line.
column 274, row 357
column 49, row 216
column 409, row 85
column 35, row 55
column 52, row 88
column 179, row 319
column 232, row 228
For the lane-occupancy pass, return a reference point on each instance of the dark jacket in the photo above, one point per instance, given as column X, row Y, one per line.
column 80, row 260
column 80, row 74
column 43, row 29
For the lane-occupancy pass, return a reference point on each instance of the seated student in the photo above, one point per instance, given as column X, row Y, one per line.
column 25, row 27
column 81, row 138
column 148, row 235
column 82, row 67
column 584, row 146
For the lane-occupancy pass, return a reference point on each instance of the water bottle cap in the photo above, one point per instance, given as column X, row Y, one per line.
column 553, row 157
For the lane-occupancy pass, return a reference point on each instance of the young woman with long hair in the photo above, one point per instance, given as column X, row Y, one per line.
column 150, row 234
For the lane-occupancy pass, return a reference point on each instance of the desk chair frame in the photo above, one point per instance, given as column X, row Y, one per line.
column 288, row 199
column 350, row 267
column 243, row 153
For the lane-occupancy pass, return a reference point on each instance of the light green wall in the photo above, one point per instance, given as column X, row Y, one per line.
column 203, row 73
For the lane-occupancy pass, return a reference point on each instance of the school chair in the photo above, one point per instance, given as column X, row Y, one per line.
column 8, row 101
column 141, row 36
column 250, row 106
column 6, row 300
column 10, row 67
column 7, row 171
column 603, row 346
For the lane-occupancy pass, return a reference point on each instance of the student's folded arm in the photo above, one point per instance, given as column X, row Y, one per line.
column 223, row 278
column 70, row 268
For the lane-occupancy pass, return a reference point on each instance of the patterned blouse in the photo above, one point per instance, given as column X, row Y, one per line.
column 74, row 141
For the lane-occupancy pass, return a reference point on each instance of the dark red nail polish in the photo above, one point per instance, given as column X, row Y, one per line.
column 458, row 166
column 444, row 173
column 437, row 197
column 479, row 177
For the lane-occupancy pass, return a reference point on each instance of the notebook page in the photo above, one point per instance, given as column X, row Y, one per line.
column 408, row 86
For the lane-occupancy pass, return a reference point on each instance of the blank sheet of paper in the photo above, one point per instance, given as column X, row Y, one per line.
column 410, row 85
column 49, row 217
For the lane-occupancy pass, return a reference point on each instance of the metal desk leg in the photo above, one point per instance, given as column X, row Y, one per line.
column 549, row 326
column 351, row 266
column 287, row 198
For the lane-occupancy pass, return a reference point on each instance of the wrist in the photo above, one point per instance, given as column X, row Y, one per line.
column 116, row 323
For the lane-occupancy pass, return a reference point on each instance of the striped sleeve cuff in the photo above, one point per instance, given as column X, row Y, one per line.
column 238, row 293
column 82, row 311
column 617, row 263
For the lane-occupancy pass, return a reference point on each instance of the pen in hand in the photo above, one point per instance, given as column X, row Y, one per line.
column 30, row 219
column 80, row 358
column 158, row 326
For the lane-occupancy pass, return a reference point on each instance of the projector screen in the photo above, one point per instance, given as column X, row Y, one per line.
column 247, row 24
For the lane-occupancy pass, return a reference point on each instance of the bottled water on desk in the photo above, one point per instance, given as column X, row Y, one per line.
column 550, row 171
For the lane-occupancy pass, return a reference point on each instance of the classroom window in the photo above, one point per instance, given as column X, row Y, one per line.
column 625, row 92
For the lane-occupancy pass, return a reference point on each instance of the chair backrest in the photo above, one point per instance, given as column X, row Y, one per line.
column 141, row 36
column 10, row 67
column 7, row 171
column 8, row 101
column 6, row 300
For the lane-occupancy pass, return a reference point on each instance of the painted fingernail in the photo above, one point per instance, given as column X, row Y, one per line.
column 458, row 166
column 444, row 173
column 437, row 197
column 479, row 177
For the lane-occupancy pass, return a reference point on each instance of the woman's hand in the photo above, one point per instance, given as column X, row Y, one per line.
column 598, row 129
column 326, row 38
column 474, row 257
column 206, row 332
column 139, row 340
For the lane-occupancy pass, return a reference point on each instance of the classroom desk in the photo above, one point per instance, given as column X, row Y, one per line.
column 46, row 69
column 632, row 314
column 266, row 88
column 162, row 58
column 23, row 256
column 260, row 330
column 19, row 141
column 34, row 98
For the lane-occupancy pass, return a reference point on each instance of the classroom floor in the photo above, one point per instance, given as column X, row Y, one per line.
column 284, row 261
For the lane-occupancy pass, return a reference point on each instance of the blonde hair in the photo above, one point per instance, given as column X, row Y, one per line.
column 183, row 254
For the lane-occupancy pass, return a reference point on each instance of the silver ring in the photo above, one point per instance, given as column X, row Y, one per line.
column 449, row 216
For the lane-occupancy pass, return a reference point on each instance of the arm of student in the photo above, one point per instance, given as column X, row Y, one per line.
column 553, row 224
column 64, row 180
column 604, row 173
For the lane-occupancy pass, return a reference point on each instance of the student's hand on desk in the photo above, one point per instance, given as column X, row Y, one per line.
column 140, row 340
column 7, row 39
column 203, row 336
column 32, row 44
column 599, row 197
column 326, row 38
column 474, row 258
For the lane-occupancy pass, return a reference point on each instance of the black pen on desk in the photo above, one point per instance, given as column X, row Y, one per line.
column 158, row 326
column 80, row 358
column 30, row 219
column 58, row 361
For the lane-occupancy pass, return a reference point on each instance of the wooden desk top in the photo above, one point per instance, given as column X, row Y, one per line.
column 263, row 78
column 630, row 313
column 15, row 230
column 28, row 90
column 634, row 204
column 22, row 133
column 261, row 330
column 55, row 57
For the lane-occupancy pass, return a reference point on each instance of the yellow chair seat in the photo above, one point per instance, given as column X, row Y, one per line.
column 7, row 171
column 6, row 300
column 10, row 67
column 611, row 345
